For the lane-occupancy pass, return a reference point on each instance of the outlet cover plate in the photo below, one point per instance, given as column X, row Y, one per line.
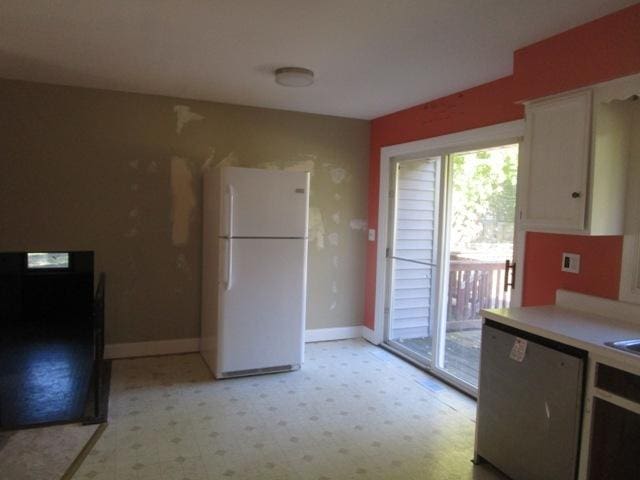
column 571, row 262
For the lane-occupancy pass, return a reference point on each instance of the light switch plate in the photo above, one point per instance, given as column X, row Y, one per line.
column 372, row 234
column 571, row 262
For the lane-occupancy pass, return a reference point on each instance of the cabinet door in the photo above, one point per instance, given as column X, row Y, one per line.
column 614, row 447
column 614, row 443
column 556, row 163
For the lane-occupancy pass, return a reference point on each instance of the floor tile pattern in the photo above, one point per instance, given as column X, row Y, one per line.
column 354, row 411
column 43, row 453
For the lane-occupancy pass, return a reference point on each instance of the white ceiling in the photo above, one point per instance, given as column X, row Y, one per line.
column 371, row 57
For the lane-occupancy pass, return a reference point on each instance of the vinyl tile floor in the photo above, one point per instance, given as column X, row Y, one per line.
column 354, row 411
column 43, row 453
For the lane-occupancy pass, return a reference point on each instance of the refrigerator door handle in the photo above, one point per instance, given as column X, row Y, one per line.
column 231, row 194
column 227, row 285
column 232, row 198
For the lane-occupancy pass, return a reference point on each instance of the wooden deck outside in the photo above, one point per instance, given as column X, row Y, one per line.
column 462, row 353
column 473, row 285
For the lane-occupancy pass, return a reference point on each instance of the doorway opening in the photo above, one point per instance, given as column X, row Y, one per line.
column 450, row 254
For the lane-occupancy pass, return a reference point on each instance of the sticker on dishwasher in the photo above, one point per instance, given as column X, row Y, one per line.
column 518, row 350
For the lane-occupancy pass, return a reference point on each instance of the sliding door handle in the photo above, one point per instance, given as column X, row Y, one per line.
column 509, row 268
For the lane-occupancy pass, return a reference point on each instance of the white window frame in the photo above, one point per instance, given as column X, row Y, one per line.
column 509, row 132
column 630, row 272
column 620, row 89
column 630, row 268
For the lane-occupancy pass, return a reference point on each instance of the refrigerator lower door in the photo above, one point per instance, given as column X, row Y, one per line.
column 262, row 306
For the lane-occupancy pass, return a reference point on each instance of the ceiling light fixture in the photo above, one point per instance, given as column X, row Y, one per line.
column 294, row 77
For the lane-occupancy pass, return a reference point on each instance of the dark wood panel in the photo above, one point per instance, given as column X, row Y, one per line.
column 615, row 443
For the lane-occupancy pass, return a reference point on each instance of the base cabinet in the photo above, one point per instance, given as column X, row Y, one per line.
column 614, row 447
column 615, row 443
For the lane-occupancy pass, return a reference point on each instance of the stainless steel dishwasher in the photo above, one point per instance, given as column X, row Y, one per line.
column 529, row 405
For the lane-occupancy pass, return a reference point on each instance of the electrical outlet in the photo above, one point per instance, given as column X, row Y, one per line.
column 571, row 262
column 372, row 235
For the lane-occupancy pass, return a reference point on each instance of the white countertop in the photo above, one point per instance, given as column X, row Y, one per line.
column 579, row 329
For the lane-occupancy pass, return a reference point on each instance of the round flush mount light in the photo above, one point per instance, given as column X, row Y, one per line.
column 294, row 77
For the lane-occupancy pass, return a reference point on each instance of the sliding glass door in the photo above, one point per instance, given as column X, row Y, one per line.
column 451, row 233
column 413, row 256
column 480, row 240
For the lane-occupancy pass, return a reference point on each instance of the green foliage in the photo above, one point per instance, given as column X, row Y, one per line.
column 484, row 193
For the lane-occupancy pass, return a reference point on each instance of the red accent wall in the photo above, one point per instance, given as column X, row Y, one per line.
column 481, row 106
column 599, row 273
column 606, row 48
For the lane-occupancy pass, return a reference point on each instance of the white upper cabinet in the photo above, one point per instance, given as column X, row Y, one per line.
column 555, row 163
column 574, row 163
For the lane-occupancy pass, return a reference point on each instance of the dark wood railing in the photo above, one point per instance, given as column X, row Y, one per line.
column 474, row 285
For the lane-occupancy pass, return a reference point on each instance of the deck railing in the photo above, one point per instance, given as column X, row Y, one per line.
column 474, row 285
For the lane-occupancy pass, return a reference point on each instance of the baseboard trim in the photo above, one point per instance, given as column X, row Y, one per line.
column 370, row 336
column 338, row 333
column 189, row 345
column 147, row 349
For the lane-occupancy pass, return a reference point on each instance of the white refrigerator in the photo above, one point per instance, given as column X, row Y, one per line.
column 254, row 272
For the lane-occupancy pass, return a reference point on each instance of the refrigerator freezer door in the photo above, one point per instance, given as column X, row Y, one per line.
column 264, row 203
column 262, row 305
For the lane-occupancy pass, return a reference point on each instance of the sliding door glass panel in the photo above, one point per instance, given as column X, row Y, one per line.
column 411, row 311
column 412, row 296
column 481, row 233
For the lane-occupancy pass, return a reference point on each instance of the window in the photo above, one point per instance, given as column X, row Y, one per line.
column 630, row 278
column 48, row 260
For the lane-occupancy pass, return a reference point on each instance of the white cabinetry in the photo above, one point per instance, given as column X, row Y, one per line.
column 555, row 163
column 574, row 162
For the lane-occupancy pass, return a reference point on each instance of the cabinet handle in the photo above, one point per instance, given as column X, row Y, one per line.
column 575, row 195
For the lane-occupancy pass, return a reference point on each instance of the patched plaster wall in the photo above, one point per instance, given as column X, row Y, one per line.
column 121, row 174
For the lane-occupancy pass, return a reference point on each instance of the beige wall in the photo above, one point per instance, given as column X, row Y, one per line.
column 120, row 174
